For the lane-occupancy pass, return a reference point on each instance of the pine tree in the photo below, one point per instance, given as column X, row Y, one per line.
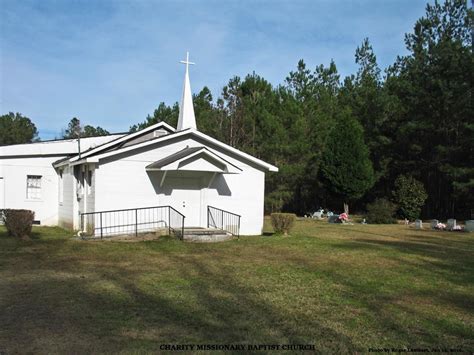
column 16, row 129
column 346, row 166
column 434, row 136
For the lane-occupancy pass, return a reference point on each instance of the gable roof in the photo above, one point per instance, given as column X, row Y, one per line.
column 191, row 132
column 174, row 161
column 174, row 157
column 124, row 139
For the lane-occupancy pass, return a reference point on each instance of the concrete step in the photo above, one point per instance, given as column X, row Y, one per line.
column 202, row 231
column 205, row 235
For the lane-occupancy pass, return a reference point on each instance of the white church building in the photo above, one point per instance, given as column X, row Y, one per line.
column 128, row 183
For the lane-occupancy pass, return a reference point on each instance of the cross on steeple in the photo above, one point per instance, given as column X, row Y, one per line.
column 186, row 117
column 187, row 62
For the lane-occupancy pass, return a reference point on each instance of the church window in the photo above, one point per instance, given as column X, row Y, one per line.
column 33, row 187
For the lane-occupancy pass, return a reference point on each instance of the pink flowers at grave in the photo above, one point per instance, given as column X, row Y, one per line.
column 343, row 217
column 441, row 226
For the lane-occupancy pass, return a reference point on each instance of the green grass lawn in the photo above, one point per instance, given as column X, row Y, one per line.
column 341, row 288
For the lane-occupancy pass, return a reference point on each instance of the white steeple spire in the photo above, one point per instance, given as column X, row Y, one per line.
column 186, row 111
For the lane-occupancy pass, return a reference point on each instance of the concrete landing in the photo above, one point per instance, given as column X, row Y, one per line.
column 205, row 235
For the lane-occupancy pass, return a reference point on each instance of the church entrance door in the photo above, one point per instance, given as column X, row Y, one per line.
column 186, row 198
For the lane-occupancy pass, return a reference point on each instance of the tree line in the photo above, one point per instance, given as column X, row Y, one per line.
column 349, row 139
column 355, row 139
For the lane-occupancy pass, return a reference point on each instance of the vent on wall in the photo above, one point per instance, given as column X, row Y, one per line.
column 159, row 133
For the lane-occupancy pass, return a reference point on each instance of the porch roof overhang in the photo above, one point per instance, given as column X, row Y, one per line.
column 199, row 159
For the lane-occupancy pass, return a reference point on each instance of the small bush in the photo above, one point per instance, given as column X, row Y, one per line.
column 381, row 211
column 410, row 195
column 18, row 222
column 283, row 222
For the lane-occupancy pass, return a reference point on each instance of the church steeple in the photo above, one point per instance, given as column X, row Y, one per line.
column 186, row 110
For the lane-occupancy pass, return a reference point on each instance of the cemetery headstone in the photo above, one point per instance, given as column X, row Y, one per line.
column 333, row 218
column 469, row 226
column 434, row 223
column 419, row 224
column 451, row 224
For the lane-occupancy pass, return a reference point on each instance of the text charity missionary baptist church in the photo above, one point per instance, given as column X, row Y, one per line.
column 157, row 166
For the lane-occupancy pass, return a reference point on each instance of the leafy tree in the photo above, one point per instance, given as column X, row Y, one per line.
column 410, row 195
column 74, row 130
column 17, row 129
column 346, row 166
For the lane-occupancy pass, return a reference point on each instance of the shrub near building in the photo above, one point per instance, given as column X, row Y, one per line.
column 283, row 222
column 18, row 222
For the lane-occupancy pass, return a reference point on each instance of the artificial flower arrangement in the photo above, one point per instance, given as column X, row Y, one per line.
column 441, row 226
column 344, row 217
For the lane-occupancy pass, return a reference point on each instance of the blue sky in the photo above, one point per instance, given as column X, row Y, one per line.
column 110, row 63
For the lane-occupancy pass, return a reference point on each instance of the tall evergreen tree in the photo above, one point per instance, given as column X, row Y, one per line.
column 334, row 139
column 163, row 113
column 346, row 166
column 74, row 129
column 17, row 129
column 435, row 130
column 364, row 95
column 209, row 119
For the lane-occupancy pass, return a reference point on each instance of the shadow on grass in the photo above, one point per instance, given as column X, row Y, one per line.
column 81, row 297
column 201, row 303
column 423, row 293
column 415, row 317
column 453, row 257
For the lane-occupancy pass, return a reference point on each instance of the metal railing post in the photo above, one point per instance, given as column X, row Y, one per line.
column 238, row 230
column 115, row 222
column 101, row 229
column 226, row 220
column 136, row 223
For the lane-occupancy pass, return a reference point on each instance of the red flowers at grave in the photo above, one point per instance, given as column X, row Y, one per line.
column 343, row 217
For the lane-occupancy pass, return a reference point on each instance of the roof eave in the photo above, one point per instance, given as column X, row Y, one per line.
column 124, row 138
column 191, row 131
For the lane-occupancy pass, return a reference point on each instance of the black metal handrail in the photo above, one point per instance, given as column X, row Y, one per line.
column 132, row 221
column 224, row 220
